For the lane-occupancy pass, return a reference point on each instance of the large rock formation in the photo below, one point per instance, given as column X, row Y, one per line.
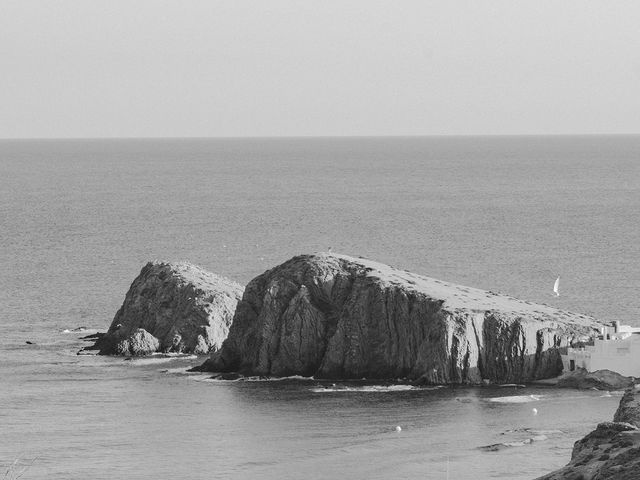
column 172, row 308
column 334, row 316
column 612, row 450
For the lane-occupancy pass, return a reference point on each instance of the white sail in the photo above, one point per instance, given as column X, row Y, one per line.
column 555, row 287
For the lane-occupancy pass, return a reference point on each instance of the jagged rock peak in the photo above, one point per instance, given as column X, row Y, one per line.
column 336, row 316
column 172, row 307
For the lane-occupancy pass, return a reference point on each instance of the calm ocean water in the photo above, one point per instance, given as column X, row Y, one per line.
column 79, row 219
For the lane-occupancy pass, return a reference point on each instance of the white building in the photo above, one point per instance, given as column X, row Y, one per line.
column 616, row 349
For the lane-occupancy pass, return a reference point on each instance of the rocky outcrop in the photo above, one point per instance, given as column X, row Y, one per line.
column 629, row 408
column 172, row 308
column 611, row 451
column 138, row 342
column 335, row 316
column 600, row 379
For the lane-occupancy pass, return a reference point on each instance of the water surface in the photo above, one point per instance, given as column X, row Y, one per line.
column 79, row 219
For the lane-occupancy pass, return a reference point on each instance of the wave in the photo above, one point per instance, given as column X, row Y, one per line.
column 206, row 377
column 180, row 371
column 213, row 377
column 159, row 358
column 612, row 393
column 277, row 379
column 173, row 355
column 515, row 399
column 370, row 388
column 80, row 330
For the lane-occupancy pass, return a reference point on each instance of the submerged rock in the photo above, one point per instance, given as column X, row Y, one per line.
column 172, row 307
column 335, row 316
column 600, row 379
column 611, row 451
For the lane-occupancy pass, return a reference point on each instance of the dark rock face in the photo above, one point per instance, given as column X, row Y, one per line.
column 600, row 379
column 629, row 408
column 172, row 308
column 611, row 451
column 334, row 316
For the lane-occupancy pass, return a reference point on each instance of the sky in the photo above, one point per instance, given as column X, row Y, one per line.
column 154, row 68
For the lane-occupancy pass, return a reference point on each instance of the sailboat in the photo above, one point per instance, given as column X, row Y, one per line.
column 555, row 287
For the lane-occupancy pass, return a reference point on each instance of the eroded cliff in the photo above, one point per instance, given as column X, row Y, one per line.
column 172, row 307
column 335, row 316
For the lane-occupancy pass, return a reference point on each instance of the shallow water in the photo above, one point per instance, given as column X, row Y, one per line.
column 80, row 218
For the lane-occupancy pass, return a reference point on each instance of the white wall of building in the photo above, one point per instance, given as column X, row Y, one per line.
column 621, row 354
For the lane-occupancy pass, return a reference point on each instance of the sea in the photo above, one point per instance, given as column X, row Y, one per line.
column 80, row 218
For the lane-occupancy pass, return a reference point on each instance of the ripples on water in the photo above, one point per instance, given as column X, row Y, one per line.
column 80, row 218
column 95, row 417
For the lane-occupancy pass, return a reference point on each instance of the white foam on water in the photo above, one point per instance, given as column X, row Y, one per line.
column 371, row 389
column 515, row 399
column 180, row 371
column 207, row 378
column 86, row 331
column 174, row 355
column 160, row 358
column 277, row 379
column 543, row 432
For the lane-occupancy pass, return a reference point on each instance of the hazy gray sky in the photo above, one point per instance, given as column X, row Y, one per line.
column 83, row 68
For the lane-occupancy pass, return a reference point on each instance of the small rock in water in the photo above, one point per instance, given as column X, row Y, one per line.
column 398, row 428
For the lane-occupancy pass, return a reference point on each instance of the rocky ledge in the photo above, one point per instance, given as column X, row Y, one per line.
column 612, row 450
column 335, row 316
column 172, row 307
column 600, row 380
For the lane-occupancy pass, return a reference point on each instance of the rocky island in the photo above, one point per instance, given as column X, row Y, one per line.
column 336, row 316
column 172, row 307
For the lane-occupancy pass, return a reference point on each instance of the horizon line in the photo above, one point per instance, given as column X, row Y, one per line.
column 274, row 137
